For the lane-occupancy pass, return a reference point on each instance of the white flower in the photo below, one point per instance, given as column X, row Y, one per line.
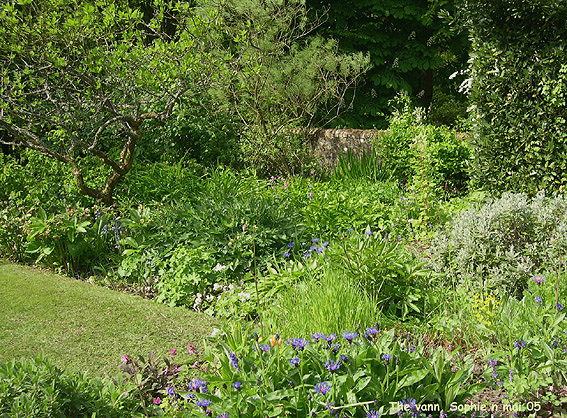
column 244, row 296
column 216, row 286
column 215, row 332
column 231, row 286
column 219, row 267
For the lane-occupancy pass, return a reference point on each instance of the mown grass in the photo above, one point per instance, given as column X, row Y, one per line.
column 83, row 327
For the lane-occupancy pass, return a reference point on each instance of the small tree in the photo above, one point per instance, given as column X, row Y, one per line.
column 285, row 80
column 80, row 78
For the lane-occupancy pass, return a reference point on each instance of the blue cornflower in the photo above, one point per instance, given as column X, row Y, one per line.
column 335, row 348
column 318, row 336
column 371, row 332
column 286, row 255
column 291, row 245
column 492, row 362
column 326, row 243
column 410, row 349
column 315, row 240
column 203, row 403
column 320, row 250
column 559, row 306
column 386, row 357
column 313, row 247
column 224, row 415
column 322, row 388
column 265, row 347
column 369, row 233
column 331, row 337
column 237, row 385
column 170, row 391
column 333, row 366
column 539, row 300
column 198, row 385
column 411, row 405
column 294, row 362
column 297, row 344
column 511, row 375
column 306, row 254
column 373, row 414
column 519, row 344
column 344, row 358
column 234, row 360
column 349, row 336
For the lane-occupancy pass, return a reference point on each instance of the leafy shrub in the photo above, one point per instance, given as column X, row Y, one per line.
column 415, row 152
column 385, row 270
column 185, row 273
column 39, row 389
column 353, row 374
column 504, row 242
column 519, row 90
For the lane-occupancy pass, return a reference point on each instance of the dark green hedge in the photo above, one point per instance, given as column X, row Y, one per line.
column 520, row 93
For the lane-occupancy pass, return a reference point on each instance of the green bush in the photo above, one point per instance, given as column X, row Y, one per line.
column 39, row 389
column 503, row 243
column 423, row 155
column 519, row 90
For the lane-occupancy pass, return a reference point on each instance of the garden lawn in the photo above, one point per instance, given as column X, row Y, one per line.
column 83, row 327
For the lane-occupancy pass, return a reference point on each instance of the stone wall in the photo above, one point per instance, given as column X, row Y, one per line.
column 328, row 144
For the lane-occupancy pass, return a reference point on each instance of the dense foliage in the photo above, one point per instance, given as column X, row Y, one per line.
column 519, row 92
column 411, row 48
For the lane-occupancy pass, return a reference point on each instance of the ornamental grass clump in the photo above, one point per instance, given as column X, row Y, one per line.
column 369, row 375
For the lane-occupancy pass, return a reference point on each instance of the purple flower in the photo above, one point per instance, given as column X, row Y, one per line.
column 371, row 332
column 373, row 414
column 203, row 403
column 344, row 358
column 492, row 362
column 294, row 362
column 306, row 254
column 559, row 306
column 234, row 360
column 386, row 357
column 335, row 348
column 198, row 385
column 538, row 300
column 320, row 250
column 322, row 388
column 224, row 415
column 265, row 347
column 318, row 336
column 369, row 233
column 237, row 385
column 313, row 247
column 315, row 240
column 331, row 338
column 539, row 279
column 170, row 391
column 349, row 336
column 326, row 243
column 286, row 255
column 519, row 344
column 298, row 344
column 333, row 366
column 291, row 245
column 511, row 375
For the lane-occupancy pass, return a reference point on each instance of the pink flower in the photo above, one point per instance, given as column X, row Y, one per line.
column 190, row 349
column 173, row 352
column 124, row 359
column 157, row 401
column 312, row 171
column 195, row 365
